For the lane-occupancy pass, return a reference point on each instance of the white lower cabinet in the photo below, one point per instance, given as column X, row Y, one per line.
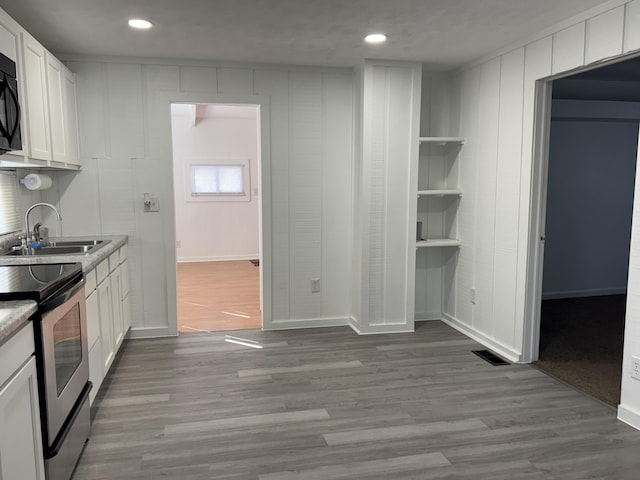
column 108, row 316
column 21, row 454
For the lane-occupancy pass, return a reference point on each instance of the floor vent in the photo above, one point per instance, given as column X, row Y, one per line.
column 490, row 357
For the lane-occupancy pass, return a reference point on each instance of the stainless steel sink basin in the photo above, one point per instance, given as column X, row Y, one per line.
column 70, row 247
column 79, row 243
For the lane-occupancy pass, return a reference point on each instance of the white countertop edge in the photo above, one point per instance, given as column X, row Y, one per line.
column 13, row 315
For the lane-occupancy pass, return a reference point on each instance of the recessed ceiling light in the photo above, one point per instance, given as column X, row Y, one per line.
column 139, row 23
column 375, row 38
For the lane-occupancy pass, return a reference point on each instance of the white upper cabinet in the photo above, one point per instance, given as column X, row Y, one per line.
column 35, row 100
column 47, row 93
column 63, row 112
column 70, row 99
column 10, row 47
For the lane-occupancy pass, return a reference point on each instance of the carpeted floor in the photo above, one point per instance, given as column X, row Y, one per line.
column 581, row 343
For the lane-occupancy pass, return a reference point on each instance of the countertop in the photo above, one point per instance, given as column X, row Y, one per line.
column 89, row 261
column 13, row 315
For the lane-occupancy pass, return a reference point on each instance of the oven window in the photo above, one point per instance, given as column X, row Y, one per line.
column 67, row 346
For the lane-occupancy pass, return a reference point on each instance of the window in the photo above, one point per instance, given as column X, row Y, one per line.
column 9, row 209
column 217, row 180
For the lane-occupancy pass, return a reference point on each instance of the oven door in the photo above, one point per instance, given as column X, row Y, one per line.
column 64, row 355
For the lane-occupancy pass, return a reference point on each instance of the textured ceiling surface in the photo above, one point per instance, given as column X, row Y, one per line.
column 440, row 33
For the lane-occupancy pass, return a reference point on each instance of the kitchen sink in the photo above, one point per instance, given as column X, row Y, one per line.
column 71, row 247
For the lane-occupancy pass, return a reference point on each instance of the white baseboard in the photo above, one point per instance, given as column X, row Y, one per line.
column 307, row 323
column 428, row 316
column 598, row 292
column 502, row 350
column 150, row 332
column 380, row 329
column 223, row 258
column 628, row 416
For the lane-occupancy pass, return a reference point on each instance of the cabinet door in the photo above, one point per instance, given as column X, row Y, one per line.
column 55, row 84
column 21, row 454
column 10, row 46
column 116, row 306
column 35, row 100
column 106, row 324
column 70, row 109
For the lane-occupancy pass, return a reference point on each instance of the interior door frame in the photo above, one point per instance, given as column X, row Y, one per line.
column 264, row 196
column 538, row 206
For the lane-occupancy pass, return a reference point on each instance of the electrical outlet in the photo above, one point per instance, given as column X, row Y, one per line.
column 178, row 244
column 635, row 367
column 315, row 285
column 472, row 295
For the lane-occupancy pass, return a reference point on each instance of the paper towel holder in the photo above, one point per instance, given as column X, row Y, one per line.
column 36, row 181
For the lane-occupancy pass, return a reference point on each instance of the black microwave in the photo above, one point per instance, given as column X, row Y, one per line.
column 10, row 138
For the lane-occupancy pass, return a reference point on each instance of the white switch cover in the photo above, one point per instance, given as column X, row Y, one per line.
column 150, row 203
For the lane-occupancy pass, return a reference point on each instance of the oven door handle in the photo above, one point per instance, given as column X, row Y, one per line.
column 58, row 300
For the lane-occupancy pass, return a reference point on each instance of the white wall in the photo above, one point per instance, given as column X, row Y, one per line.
column 497, row 100
column 592, row 168
column 215, row 230
column 385, row 226
column 126, row 148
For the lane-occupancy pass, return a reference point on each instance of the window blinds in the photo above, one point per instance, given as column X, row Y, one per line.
column 9, row 208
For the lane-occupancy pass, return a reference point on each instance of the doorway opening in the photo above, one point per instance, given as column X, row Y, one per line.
column 586, row 207
column 216, row 163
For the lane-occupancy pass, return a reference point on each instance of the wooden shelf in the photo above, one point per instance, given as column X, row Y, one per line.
column 440, row 193
column 438, row 242
column 442, row 140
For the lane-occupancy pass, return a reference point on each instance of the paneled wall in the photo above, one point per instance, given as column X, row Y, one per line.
column 387, row 199
column 307, row 152
column 497, row 100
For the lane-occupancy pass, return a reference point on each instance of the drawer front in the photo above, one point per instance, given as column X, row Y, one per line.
column 93, row 319
column 123, row 253
column 15, row 352
column 90, row 282
column 114, row 260
column 125, row 285
column 102, row 271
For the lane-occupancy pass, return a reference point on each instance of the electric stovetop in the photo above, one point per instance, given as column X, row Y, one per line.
column 37, row 282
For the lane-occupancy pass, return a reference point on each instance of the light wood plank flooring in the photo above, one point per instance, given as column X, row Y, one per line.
column 218, row 296
column 327, row 404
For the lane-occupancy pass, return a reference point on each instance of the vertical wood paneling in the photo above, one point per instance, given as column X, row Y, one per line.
column 399, row 139
column 235, row 80
column 91, row 108
column 306, row 192
column 537, row 65
column 508, row 188
column 276, row 85
column 198, row 79
column 568, row 48
column 604, row 35
column 375, row 143
column 486, row 195
column 632, row 26
column 470, row 122
column 336, row 198
column 125, row 111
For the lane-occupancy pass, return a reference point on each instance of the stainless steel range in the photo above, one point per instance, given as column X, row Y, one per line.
column 62, row 359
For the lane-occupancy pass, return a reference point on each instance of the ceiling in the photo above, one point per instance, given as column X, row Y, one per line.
column 442, row 34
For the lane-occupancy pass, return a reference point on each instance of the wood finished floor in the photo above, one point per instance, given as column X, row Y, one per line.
column 327, row 404
column 218, row 296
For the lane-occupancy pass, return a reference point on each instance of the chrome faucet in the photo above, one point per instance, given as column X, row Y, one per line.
column 26, row 217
